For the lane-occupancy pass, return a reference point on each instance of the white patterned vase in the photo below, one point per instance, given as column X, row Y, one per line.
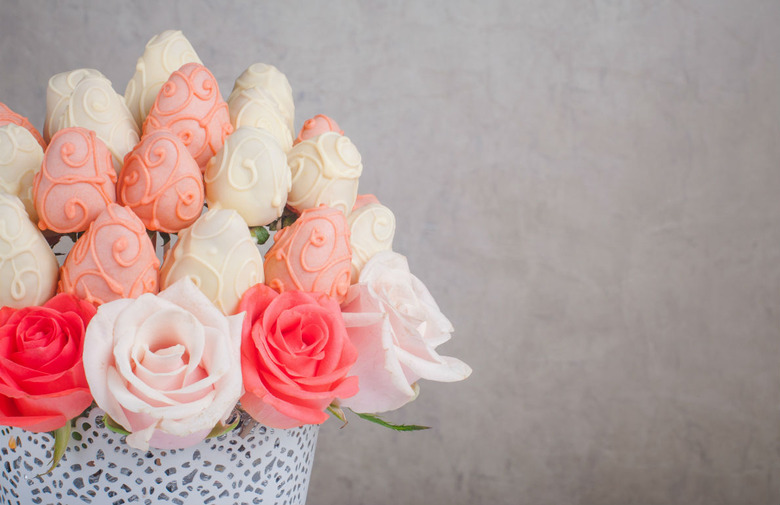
column 252, row 464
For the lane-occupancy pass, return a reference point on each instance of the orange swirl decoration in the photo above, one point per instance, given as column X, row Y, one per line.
column 189, row 104
column 313, row 254
column 76, row 181
column 8, row 116
column 162, row 183
column 114, row 259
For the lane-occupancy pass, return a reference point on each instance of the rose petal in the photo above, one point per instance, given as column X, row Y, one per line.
column 12, row 391
column 266, row 361
column 132, row 329
column 68, row 303
column 55, row 383
column 162, row 440
column 181, row 293
column 268, row 411
column 10, row 416
column 11, row 372
column 436, row 367
column 165, row 370
column 99, row 339
column 187, row 391
column 441, row 326
column 165, row 360
column 139, row 438
column 383, row 385
column 69, row 403
column 5, row 314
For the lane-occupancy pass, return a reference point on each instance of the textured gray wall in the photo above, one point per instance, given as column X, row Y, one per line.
column 589, row 189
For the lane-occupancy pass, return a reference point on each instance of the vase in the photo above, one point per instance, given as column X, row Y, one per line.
column 252, row 464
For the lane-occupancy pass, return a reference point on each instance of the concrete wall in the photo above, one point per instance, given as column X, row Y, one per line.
column 590, row 191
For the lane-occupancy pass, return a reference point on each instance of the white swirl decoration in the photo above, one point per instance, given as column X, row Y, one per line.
column 325, row 170
column 249, row 175
column 371, row 228
column 218, row 254
column 28, row 267
column 95, row 105
column 58, row 93
column 164, row 54
column 256, row 107
column 20, row 159
column 270, row 79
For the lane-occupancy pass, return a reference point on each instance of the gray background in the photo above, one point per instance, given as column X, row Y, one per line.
column 588, row 188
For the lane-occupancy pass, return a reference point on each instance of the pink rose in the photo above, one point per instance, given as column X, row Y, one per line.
column 165, row 367
column 295, row 355
column 396, row 326
column 42, row 383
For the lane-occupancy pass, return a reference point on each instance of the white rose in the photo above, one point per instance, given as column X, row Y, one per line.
column 166, row 367
column 396, row 326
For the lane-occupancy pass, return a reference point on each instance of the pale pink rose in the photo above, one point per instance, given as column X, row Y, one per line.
column 166, row 367
column 395, row 325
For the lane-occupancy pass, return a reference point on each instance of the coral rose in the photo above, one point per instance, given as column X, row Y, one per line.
column 42, row 383
column 165, row 367
column 295, row 355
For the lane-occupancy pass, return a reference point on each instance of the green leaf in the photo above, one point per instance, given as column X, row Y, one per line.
column 288, row 217
column 114, row 426
column 397, row 427
column 260, row 234
column 61, row 439
column 221, row 429
column 338, row 413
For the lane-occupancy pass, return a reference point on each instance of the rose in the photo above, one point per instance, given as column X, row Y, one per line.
column 42, row 382
column 165, row 367
column 295, row 355
column 396, row 326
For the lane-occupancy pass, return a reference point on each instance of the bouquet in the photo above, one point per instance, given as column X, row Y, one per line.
column 169, row 346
